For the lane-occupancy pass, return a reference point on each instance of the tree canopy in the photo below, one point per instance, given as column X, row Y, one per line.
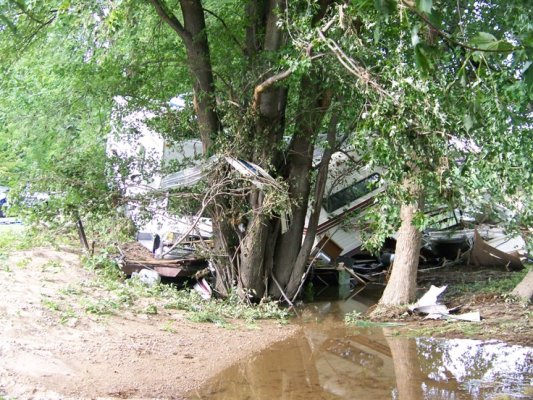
column 438, row 92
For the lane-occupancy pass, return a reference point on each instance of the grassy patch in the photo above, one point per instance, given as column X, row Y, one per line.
column 52, row 266
column 357, row 319
column 127, row 293
column 102, row 307
column 51, row 305
column 464, row 329
column 68, row 316
column 169, row 327
column 218, row 310
column 26, row 239
column 4, row 264
column 491, row 285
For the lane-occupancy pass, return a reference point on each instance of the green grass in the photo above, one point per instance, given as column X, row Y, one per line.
column 102, row 307
column 67, row 316
column 25, row 239
column 126, row 293
column 51, row 305
column 169, row 327
column 355, row 318
column 492, row 285
column 467, row 329
column 52, row 266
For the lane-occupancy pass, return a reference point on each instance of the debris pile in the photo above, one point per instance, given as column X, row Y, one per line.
column 134, row 257
column 429, row 305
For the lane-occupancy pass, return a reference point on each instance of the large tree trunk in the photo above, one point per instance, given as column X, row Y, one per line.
column 252, row 252
column 314, row 102
column 193, row 33
column 401, row 287
column 261, row 251
column 256, row 255
column 524, row 289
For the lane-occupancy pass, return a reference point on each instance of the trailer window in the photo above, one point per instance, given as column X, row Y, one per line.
column 351, row 193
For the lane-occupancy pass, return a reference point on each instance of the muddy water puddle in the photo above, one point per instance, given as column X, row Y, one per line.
column 331, row 361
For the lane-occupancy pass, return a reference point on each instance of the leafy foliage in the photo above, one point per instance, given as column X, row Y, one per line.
column 437, row 92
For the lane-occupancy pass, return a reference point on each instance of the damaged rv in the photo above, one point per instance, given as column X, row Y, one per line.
column 349, row 192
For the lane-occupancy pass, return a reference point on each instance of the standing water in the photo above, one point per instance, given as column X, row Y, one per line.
column 329, row 360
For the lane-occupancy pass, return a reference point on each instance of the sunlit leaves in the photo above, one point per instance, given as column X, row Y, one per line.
column 487, row 41
column 421, row 59
column 528, row 77
column 424, row 6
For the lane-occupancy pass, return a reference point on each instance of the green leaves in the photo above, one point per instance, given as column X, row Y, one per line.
column 488, row 42
column 421, row 59
column 424, row 6
column 528, row 76
column 385, row 7
column 468, row 122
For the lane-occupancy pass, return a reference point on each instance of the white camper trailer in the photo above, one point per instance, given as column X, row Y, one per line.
column 147, row 153
column 349, row 192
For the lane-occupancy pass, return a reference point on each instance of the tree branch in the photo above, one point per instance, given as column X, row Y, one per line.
column 172, row 21
column 446, row 36
column 352, row 66
column 227, row 29
column 259, row 89
column 29, row 40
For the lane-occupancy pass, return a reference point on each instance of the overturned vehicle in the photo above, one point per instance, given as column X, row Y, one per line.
column 180, row 242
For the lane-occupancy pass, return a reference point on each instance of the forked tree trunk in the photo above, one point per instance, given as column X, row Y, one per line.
column 401, row 287
column 262, row 250
column 320, row 187
column 313, row 105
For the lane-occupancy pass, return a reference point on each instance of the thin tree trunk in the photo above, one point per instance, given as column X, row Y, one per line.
column 200, row 66
column 320, row 187
column 193, row 34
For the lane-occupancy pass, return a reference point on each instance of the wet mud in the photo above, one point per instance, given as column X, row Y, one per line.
column 329, row 360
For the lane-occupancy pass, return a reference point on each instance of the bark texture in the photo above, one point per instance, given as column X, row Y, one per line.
column 401, row 287
column 524, row 289
column 194, row 37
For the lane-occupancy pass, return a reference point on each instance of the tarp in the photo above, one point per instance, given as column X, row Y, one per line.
column 189, row 176
column 483, row 254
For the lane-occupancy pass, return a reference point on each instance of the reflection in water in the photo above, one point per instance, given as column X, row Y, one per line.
column 479, row 368
column 331, row 361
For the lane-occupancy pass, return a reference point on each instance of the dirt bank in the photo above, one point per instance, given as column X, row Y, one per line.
column 502, row 317
column 52, row 348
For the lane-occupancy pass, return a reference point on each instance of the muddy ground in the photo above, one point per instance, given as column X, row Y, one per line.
column 51, row 347
column 56, row 343
column 502, row 317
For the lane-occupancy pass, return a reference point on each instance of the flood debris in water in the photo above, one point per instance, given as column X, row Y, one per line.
column 429, row 304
